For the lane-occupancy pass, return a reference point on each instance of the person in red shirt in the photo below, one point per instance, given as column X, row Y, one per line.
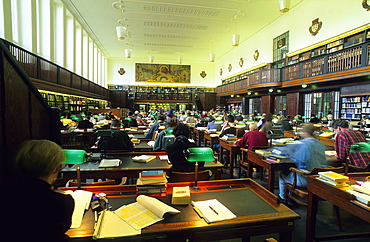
column 345, row 137
column 252, row 138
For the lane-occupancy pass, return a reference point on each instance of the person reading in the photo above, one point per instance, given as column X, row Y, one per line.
column 119, row 141
column 36, row 210
column 307, row 154
column 253, row 138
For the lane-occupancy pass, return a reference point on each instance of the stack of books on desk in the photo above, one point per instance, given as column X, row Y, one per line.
column 230, row 137
column 278, row 159
column 361, row 193
column 333, row 178
column 152, row 183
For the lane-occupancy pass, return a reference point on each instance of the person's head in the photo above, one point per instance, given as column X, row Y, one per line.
column 129, row 113
column 230, row 118
column 239, row 118
column 253, row 126
column 39, row 159
column 161, row 118
column 115, row 123
column 268, row 117
column 330, row 116
column 171, row 124
column 181, row 129
column 307, row 130
column 87, row 117
column 340, row 124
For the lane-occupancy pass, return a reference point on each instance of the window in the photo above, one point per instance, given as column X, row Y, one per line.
column 79, row 57
column 2, row 17
column 43, row 19
column 59, row 34
column 281, row 47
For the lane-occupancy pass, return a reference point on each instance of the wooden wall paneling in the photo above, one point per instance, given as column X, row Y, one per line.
column 65, row 77
column 85, row 85
column 48, row 71
column 76, row 82
column 294, row 104
column 266, row 104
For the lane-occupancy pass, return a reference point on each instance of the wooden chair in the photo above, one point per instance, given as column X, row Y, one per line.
column 303, row 192
column 189, row 176
column 243, row 162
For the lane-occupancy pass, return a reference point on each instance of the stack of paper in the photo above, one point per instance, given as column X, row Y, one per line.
column 144, row 158
column 212, row 210
column 82, row 202
column 110, row 162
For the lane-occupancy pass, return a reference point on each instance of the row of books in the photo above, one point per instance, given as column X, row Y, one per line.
column 334, row 179
column 152, row 183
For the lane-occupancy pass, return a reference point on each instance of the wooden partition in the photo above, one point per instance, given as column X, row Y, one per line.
column 23, row 113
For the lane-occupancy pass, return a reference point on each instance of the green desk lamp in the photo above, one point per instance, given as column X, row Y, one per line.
column 169, row 133
column 198, row 154
column 76, row 157
column 361, row 147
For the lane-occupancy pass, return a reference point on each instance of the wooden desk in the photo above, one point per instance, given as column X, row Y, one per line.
column 128, row 168
column 258, row 213
column 198, row 136
column 318, row 190
column 143, row 146
column 234, row 150
column 271, row 167
column 212, row 138
column 327, row 141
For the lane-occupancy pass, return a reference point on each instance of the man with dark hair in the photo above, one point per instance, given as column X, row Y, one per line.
column 161, row 142
column 119, row 141
column 175, row 151
column 155, row 127
column 131, row 120
column 345, row 137
column 85, row 123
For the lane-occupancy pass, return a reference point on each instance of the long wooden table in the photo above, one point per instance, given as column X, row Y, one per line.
column 233, row 151
column 198, row 136
column 318, row 190
column 210, row 139
column 258, row 212
column 254, row 158
column 128, row 168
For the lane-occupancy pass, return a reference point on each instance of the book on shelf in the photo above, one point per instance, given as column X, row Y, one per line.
column 130, row 219
column 144, row 158
column 212, row 210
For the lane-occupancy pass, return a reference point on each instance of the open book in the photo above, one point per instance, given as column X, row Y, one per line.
column 212, row 210
column 146, row 211
column 110, row 162
column 130, row 219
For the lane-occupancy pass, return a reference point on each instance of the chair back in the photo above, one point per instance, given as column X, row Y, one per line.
column 189, row 176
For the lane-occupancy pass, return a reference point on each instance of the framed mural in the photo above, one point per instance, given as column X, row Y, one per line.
column 162, row 73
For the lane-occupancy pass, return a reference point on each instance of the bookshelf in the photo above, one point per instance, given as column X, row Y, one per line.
column 351, row 108
column 365, row 105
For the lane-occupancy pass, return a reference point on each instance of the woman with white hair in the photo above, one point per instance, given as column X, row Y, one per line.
column 36, row 210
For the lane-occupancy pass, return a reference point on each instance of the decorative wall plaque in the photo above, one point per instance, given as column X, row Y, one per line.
column 221, row 71
column 241, row 62
column 365, row 5
column 315, row 27
column 203, row 74
column 121, row 71
column 230, row 67
column 256, row 55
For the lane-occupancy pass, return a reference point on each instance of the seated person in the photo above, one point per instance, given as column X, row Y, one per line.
column 139, row 119
column 285, row 125
column 267, row 126
column 252, row 138
column 155, row 127
column 211, row 124
column 131, row 120
column 85, row 123
column 228, row 128
column 175, row 151
column 307, row 154
column 161, row 142
column 314, row 119
column 38, row 211
column 119, row 141
column 346, row 137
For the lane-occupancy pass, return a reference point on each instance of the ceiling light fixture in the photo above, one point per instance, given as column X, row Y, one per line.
column 235, row 37
column 179, row 60
column 120, row 29
column 151, row 59
column 284, row 6
column 128, row 53
column 304, row 85
column 212, row 55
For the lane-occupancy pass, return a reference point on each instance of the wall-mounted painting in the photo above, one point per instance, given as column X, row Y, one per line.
column 162, row 73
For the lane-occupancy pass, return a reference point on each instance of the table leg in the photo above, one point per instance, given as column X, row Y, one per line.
column 250, row 169
column 312, row 207
column 271, row 180
column 286, row 236
column 231, row 164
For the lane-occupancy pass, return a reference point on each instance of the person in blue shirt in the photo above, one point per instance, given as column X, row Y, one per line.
column 155, row 127
column 161, row 142
column 307, row 154
column 211, row 124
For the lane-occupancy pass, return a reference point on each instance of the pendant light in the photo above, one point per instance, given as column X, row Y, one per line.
column 212, row 55
column 284, row 5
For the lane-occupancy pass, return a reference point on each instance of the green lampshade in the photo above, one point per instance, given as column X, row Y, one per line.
column 75, row 157
column 199, row 154
column 169, row 133
column 359, row 147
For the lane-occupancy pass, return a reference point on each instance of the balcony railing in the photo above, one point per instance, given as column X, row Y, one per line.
column 39, row 68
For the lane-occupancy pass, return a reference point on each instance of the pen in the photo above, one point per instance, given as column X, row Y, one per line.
column 213, row 210
column 95, row 218
column 197, row 210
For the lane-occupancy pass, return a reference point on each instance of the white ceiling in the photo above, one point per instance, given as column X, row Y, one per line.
column 167, row 29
